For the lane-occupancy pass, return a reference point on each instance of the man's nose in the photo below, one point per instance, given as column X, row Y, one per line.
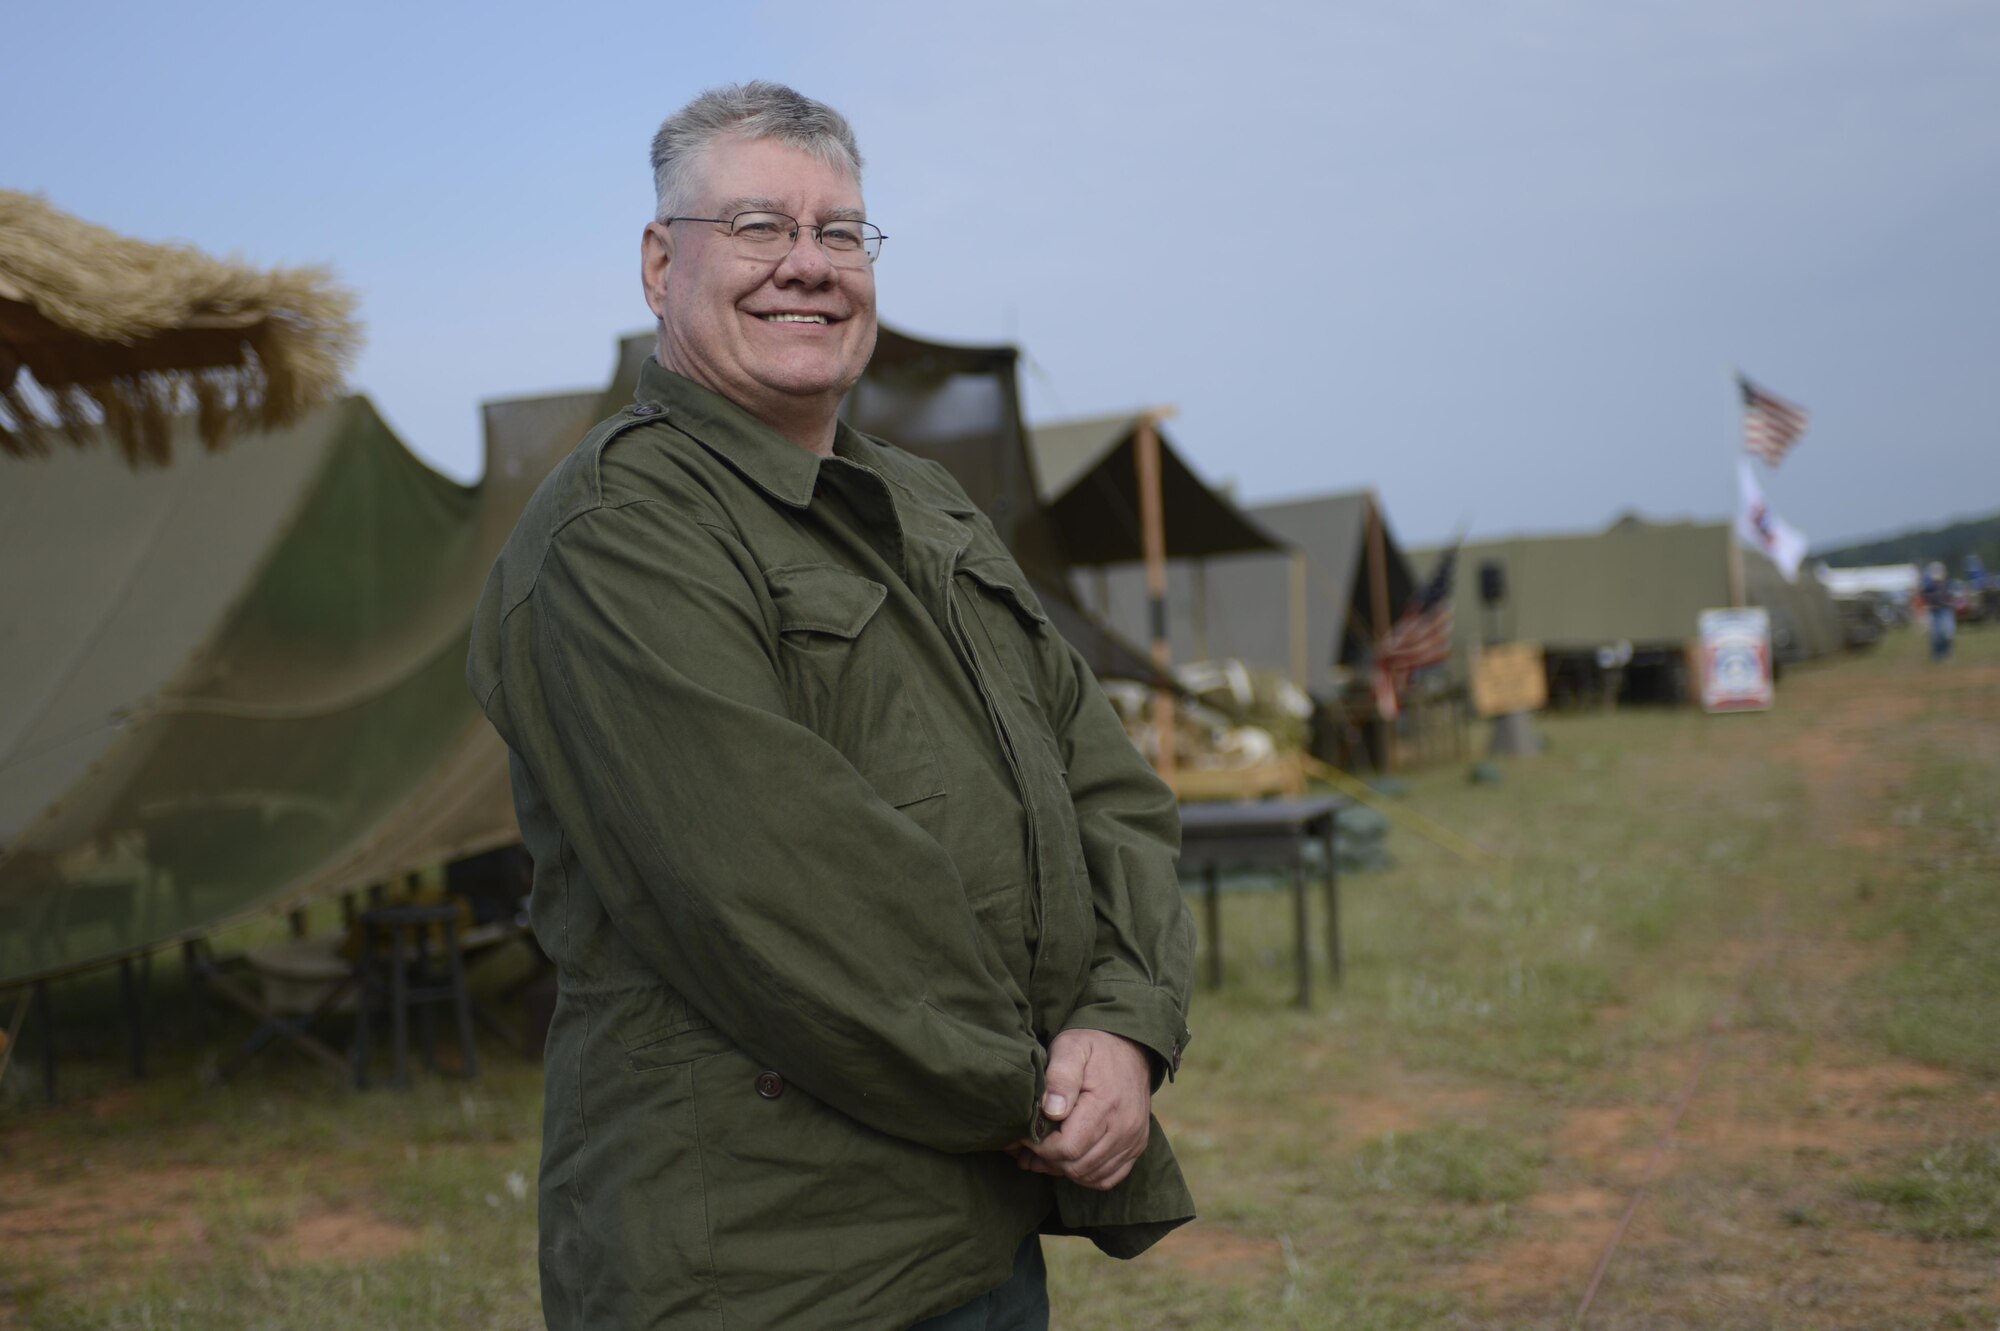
column 806, row 264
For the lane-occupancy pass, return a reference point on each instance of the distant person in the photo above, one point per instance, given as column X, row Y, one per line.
column 870, row 947
column 1943, row 614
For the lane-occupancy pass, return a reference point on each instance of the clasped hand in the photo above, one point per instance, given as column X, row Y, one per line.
column 1099, row 1096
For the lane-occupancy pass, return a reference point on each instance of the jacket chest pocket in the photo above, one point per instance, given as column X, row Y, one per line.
column 848, row 681
column 1010, row 623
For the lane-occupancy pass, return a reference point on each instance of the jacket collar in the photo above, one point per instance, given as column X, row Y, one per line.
column 765, row 458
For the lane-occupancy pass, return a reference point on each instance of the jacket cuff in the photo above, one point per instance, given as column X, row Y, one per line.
column 1147, row 1015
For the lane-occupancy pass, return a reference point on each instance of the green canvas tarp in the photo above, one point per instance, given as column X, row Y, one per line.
column 240, row 679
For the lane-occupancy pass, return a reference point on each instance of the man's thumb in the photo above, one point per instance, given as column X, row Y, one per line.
column 1065, row 1078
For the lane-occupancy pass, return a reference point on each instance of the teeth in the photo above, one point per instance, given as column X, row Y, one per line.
column 794, row 318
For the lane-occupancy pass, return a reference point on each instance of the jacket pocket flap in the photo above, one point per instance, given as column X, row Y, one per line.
column 823, row 598
column 1004, row 580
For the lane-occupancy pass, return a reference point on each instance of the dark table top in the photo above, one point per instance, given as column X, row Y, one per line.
column 1237, row 817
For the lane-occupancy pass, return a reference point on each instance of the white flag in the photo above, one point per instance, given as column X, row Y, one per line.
column 1764, row 531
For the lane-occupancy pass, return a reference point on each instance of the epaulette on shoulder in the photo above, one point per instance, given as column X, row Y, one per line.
column 587, row 458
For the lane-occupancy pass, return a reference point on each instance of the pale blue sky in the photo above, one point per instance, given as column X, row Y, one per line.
column 1493, row 258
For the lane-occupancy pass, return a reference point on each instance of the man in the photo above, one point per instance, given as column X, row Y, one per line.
column 1942, row 608
column 870, row 947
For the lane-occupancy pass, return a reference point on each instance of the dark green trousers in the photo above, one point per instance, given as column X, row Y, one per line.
column 1022, row 1304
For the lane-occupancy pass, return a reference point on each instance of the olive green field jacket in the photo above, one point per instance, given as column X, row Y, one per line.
column 832, row 835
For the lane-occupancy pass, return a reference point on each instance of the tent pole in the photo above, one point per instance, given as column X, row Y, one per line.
column 1734, row 378
column 1301, row 668
column 1200, row 572
column 1378, row 571
column 1378, row 595
column 12, row 1035
column 1736, row 601
column 1153, row 533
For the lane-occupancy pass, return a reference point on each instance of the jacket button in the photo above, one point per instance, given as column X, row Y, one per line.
column 770, row 1085
column 646, row 409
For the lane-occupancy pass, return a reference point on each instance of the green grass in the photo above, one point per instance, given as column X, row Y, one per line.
column 1952, row 1192
column 1940, row 1002
column 1449, row 1163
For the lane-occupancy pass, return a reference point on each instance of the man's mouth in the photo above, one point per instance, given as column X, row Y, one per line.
column 794, row 318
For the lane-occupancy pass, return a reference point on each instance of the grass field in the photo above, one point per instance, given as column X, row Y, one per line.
column 1801, row 906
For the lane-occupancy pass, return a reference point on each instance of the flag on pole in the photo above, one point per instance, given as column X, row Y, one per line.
column 1764, row 531
column 1421, row 636
column 1771, row 425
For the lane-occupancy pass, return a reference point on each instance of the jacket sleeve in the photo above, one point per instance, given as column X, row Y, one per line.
column 1142, row 967
column 744, row 857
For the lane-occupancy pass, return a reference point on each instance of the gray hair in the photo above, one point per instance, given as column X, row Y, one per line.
column 754, row 110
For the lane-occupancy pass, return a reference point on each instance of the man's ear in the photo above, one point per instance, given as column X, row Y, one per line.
column 655, row 253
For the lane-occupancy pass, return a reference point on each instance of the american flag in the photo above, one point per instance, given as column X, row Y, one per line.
column 1422, row 636
column 1771, row 425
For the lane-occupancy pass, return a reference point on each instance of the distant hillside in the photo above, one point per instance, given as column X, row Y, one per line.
column 1976, row 536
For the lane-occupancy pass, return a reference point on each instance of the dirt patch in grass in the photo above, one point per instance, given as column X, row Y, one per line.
column 56, row 1219
column 1400, row 1104
column 1563, row 1237
column 1219, row 1255
column 1751, row 1136
column 1759, row 1107
column 1578, row 1203
column 342, row 1236
column 1848, row 777
column 1755, row 1188
column 1872, row 1082
column 1364, row 1116
column 1612, row 1142
column 74, row 1212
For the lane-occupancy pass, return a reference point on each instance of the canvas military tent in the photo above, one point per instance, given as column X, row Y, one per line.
column 1639, row 585
column 1805, row 620
column 240, row 679
column 1087, row 475
column 1240, row 606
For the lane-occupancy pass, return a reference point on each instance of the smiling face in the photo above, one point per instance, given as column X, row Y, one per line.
column 784, row 341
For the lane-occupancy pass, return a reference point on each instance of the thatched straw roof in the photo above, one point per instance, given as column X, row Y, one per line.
column 105, row 337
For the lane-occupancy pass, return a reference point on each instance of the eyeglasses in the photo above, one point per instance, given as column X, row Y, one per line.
column 770, row 236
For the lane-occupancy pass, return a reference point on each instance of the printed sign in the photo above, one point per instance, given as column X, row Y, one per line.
column 1735, row 660
column 1509, row 678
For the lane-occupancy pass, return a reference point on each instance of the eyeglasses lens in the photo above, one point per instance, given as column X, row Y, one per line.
column 771, row 236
